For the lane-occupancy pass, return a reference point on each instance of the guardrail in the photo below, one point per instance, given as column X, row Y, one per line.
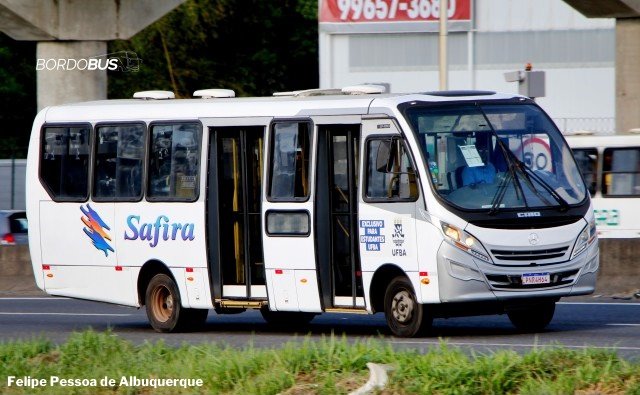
column 16, row 272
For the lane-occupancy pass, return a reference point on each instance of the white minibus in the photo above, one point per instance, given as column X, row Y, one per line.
column 420, row 206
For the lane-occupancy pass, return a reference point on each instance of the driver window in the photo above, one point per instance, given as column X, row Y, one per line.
column 395, row 179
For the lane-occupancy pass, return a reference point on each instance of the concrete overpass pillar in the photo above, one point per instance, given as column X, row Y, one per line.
column 74, row 29
column 627, row 14
column 63, row 86
column 627, row 74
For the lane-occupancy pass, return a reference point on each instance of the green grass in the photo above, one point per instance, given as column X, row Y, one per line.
column 329, row 366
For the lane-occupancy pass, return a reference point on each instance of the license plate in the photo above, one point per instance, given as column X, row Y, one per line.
column 536, row 278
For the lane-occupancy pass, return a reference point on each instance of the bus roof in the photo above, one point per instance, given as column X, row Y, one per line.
column 603, row 140
column 287, row 106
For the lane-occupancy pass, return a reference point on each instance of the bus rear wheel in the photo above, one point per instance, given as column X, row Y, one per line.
column 405, row 316
column 164, row 307
column 532, row 318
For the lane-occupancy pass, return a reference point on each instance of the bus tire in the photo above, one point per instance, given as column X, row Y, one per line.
column 286, row 318
column 164, row 307
column 532, row 318
column 405, row 316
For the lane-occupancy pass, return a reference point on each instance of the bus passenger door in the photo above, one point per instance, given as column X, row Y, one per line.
column 234, row 211
column 288, row 208
column 337, row 215
column 387, row 208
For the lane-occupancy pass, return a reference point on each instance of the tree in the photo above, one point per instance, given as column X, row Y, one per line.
column 17, row 95
column 254, row 47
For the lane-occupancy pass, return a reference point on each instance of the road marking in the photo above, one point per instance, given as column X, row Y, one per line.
column 69, row 314
column 436, row 343
column 599, row 304
column 37, row 298
column 623, row 324
column 563, row 303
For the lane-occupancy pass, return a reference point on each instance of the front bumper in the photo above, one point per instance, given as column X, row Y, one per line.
column 463, row 278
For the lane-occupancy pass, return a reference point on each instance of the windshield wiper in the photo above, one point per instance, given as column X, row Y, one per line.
column 499, row 196
column 515, row 164
column 502, row 189
column 528, row 174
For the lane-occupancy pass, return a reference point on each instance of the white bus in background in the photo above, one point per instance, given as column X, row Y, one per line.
column 420, row 206
column 610, row 165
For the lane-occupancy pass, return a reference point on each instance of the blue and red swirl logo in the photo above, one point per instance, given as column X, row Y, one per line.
column 96, row 229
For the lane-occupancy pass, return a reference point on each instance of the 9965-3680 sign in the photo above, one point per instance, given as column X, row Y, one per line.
column 357, row 11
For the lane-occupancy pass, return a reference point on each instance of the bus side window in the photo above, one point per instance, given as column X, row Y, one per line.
column 64, row 163
column 397, row 180
column 621, row 172
column 587, row 160
column 174, row 162
column 289, row 171
column 118, row 162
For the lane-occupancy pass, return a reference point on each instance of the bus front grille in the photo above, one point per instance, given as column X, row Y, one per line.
column 530, row 255
column 527, row 257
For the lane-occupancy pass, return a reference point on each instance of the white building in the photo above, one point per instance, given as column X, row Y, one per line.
column 577, row 53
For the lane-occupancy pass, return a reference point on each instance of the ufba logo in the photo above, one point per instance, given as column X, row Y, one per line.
column 96, row 229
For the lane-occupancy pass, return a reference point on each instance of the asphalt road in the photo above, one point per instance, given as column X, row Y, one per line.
column 576, row 325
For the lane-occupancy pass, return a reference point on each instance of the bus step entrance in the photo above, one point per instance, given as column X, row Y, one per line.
column 242, row 304
column 347, row 311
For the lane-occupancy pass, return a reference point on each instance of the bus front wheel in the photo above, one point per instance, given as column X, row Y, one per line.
column 164, row 307
column 405, row 316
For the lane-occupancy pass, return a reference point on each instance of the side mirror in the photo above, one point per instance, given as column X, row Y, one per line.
column 385, row 156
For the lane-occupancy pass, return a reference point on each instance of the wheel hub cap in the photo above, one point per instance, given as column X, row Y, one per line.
column 162, row 304
column 402, row 307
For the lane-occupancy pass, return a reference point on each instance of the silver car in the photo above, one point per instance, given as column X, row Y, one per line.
column 13, row 227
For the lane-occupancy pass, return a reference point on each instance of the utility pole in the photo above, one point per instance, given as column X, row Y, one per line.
column 444, row 67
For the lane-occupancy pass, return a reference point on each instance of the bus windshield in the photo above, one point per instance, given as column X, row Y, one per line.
column 496, row 157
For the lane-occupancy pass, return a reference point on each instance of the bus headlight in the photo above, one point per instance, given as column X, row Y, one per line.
column 464, row 241
column 587, row 236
